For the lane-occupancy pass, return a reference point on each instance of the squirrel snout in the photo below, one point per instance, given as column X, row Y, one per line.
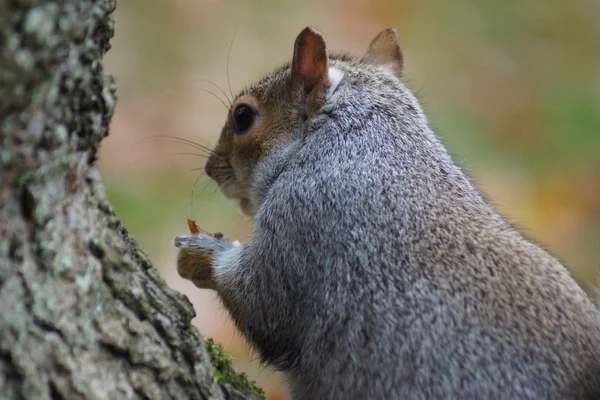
column 209, row 165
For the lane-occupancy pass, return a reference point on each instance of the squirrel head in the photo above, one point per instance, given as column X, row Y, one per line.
column 277, row 109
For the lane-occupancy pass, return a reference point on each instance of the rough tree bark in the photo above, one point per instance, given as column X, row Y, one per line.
column 83, row 314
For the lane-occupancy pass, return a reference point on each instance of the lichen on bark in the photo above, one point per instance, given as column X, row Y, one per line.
column 83, row 314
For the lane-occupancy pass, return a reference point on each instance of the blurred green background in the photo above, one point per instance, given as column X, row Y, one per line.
column 512, row 87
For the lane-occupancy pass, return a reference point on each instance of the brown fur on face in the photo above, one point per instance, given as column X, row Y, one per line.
column 281, row 102
column 236, row 154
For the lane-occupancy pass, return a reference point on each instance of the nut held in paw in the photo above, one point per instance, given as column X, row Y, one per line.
column 194, row 229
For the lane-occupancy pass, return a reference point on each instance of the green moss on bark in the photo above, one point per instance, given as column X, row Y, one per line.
column 224, row 372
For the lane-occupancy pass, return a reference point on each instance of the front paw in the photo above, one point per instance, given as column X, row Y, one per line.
column 196, row 255
column 200, row 242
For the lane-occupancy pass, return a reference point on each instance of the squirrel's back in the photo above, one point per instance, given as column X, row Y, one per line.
column 419, row 287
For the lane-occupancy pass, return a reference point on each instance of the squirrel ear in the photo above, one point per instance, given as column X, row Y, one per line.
column 310, row 62
column 385, row 49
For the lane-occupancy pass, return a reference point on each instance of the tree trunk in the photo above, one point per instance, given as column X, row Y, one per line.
column 83, row 314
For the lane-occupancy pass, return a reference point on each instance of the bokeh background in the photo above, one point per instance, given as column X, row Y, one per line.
column 512, row 87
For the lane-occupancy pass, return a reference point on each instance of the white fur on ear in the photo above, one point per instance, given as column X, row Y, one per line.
column 335, row 77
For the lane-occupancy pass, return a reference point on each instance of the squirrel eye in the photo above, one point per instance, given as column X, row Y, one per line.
column 243, row 116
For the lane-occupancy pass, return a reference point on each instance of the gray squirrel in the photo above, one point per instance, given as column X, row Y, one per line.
column 376, row 269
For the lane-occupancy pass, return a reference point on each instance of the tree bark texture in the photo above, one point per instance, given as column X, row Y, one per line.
column 83, row 314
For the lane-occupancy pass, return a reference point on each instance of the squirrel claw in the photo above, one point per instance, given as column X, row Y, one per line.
column 182, row 242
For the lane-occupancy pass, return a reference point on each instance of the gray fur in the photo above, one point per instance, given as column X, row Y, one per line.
column 378, row 271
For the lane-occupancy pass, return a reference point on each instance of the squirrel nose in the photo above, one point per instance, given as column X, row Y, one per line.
column 209, row 165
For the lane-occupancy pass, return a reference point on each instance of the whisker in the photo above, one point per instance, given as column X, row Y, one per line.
column 228, row 55
column 198, row 195
column 174, row 139
column 196, row 180
column 217, row 97
column 201, row 191
column 206, row 186
column 153, row 157
column 219, row 88
column 192, row 206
